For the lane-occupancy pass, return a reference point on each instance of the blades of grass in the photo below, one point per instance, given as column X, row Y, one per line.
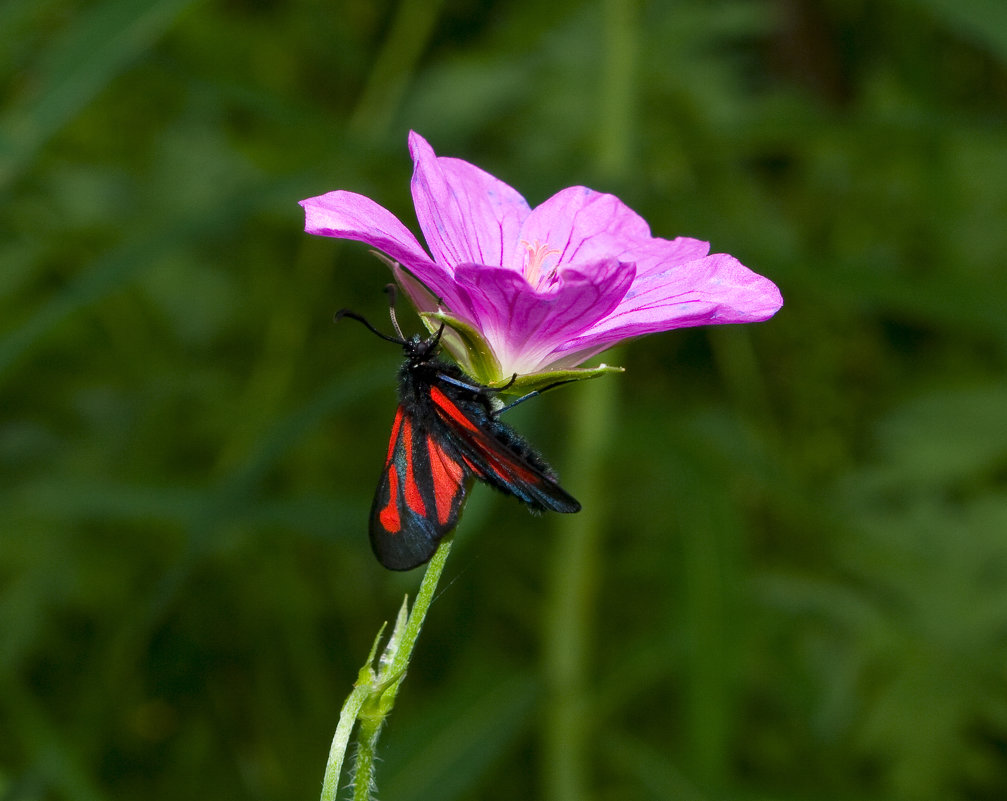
column 230, row 497
column 653, row 771
column 289, row 430
column 74, row 497
column 88, row 286
column 568, row 731
column 616, row 126
column 945, row 438
column 568, row 722
column 94, row 49
column 50, row 754
column 954, row 303
column 982, row 21
column 119, row 265
column 710, row 532
column 411, row 30
column 69, row 498
column 17, row 18
column 476, row 725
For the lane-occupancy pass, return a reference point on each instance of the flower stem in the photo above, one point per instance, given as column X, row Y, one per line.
column 340, row 741
column 570, row 606
column 424, row 598
column 363, row 770
column 377, row 685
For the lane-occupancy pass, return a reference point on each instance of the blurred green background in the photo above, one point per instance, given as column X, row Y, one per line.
column 799, row 581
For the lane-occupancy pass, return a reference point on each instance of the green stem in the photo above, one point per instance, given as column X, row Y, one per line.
column 419, row 612
column 341, row 739
column 376, row 687
column 412, row 27
column 367, row 747
column 617, row 88
column 568, row 718
column 570, row 605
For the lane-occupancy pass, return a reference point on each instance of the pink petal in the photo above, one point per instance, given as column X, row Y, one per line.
column 712, row 290
column 467, row 215
column 661, row 255
column 525, row 325
column 584, row 226
column 347, row 215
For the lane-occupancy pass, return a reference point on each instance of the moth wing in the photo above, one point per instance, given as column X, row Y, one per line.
column 419, row 495
column 490, row 454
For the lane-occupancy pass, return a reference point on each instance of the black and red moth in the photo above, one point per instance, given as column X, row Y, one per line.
column 445, row 434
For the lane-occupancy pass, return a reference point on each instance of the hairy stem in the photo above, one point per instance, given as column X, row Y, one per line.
column 377, row 686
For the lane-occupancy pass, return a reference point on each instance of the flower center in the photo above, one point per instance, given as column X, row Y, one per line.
column 535, row 269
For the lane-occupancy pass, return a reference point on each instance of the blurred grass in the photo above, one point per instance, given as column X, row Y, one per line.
column 803, row 588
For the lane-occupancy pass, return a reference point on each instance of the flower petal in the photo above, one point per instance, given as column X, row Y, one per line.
column 711, row 290
column 467, row 215
column 656, row 256
column 525, row 326
column 347, row 215
column 583, row 226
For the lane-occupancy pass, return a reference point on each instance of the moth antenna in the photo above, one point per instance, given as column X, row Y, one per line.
column 339, row 315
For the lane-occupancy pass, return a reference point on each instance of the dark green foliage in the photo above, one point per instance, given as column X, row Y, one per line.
column 804, row 572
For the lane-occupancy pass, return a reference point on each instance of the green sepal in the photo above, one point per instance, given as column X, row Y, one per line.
column 466, row 345
column 379, row 674
column 535, row 382
column 366, row 674
column 476, row 358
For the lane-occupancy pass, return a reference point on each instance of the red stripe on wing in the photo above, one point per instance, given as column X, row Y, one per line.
column 393, row 439
column 389, row 517
column 448, row 477
column 496, row 458
column 496, row 462
column 506, row 468
column 410, row 489
column 448, row 407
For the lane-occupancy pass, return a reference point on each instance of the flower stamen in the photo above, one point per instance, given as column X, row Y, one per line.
column 534, row 268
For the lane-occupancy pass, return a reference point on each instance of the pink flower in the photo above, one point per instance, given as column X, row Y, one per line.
column 542, row 289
